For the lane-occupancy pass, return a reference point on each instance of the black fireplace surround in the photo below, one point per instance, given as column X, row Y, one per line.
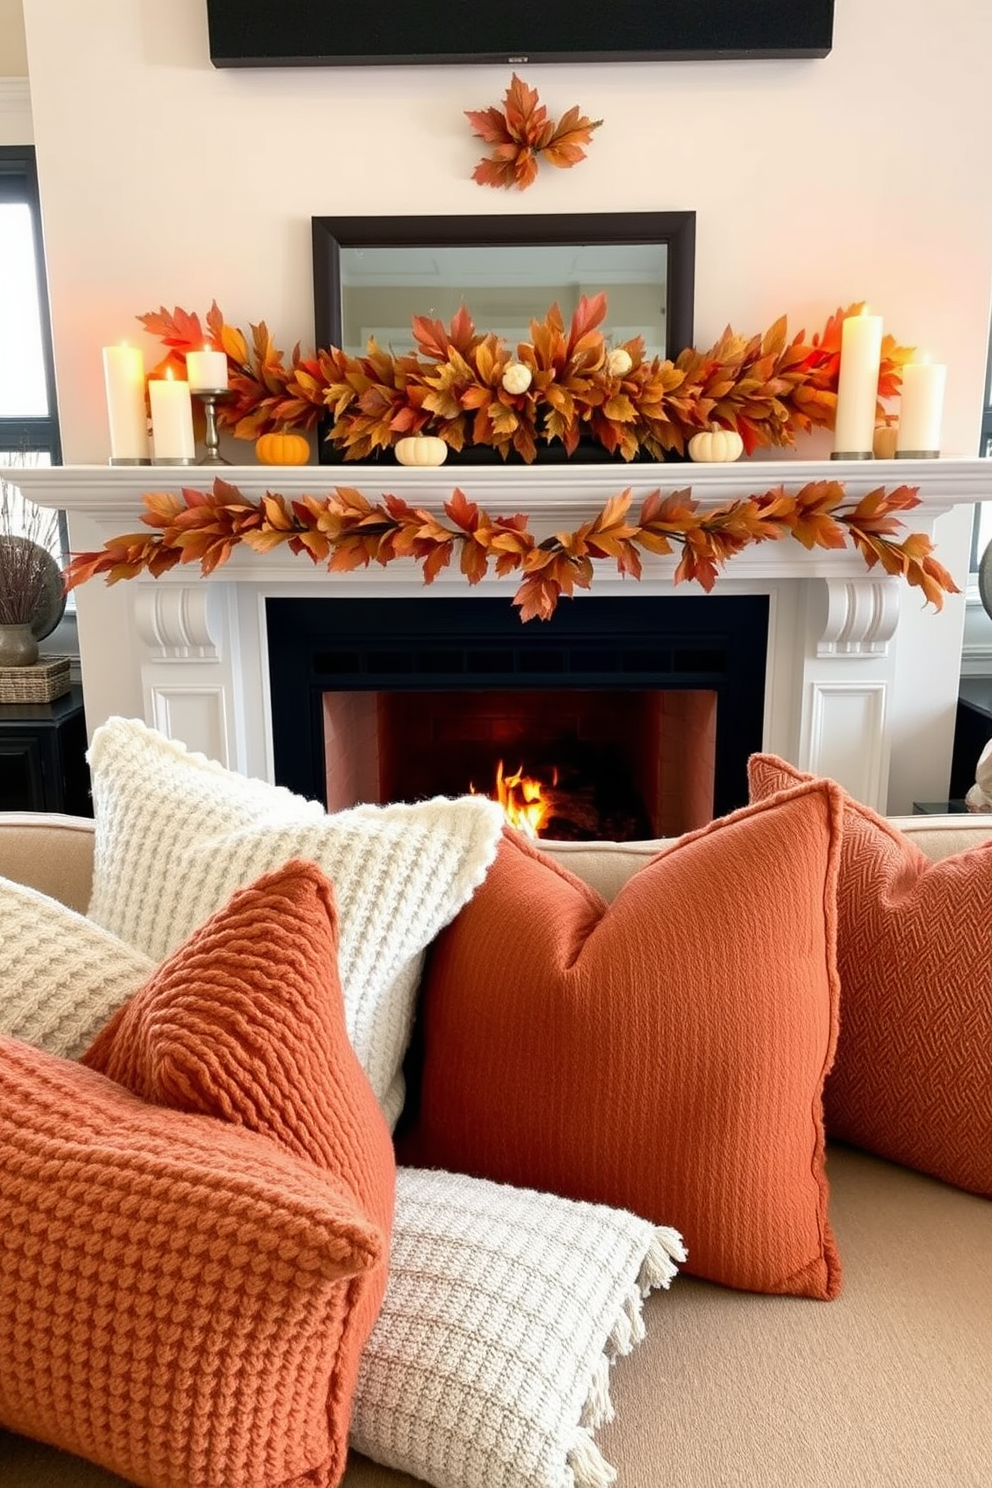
column 717, row 643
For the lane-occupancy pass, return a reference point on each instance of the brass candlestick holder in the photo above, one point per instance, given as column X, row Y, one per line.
column 210, row 397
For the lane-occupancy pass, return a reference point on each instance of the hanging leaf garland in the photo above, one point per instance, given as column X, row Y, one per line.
column 345, row 531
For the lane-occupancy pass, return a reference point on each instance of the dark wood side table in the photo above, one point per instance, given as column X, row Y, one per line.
column 43, row 756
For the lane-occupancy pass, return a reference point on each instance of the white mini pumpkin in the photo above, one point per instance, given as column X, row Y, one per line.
column 716, row 445
column 618, row 361
column 516, row 377
column 421, row 449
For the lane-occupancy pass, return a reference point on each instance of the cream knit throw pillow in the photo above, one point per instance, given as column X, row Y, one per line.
column 177, row 833
column 489, row 1364
column 61, row 978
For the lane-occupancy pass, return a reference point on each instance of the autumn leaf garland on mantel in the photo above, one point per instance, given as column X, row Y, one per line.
column 346, row 531
column 769, row 388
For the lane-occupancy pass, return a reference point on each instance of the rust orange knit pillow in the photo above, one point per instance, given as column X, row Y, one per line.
column 245, row 1022
column 664, row 1053
column 912, row 1080
column 173, row 1290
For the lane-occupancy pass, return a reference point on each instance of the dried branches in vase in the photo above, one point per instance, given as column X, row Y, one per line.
column 30, row 579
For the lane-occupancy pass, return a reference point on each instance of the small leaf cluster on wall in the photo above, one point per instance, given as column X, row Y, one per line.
column 522, row 134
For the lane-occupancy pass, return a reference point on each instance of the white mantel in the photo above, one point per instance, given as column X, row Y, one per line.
column 861, row 683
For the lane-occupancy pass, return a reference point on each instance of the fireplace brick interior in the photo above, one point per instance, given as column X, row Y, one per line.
column 648, row 710
column 629, row 764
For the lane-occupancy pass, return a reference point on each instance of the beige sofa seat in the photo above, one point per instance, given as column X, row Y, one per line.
column 888, row 1386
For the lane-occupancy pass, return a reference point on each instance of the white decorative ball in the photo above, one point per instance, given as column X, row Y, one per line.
column 618, row 362
column 516, row 377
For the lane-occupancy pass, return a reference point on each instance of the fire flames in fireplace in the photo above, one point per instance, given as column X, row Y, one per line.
column 522, row 799
column 587, row 796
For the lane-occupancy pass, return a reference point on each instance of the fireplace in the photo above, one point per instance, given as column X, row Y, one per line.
column 860, row 678
column 636, row 715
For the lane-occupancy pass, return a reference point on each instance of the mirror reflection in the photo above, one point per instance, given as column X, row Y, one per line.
column 504, row 287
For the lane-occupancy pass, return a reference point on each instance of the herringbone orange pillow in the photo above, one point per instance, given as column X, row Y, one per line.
column 664, row 1053
column 246, row 1022
column 174, row 1292
column 912, row 1080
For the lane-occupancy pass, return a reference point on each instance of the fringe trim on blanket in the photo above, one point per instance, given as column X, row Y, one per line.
column 658, row 1269
column 589, row 1467
column 598, row 1409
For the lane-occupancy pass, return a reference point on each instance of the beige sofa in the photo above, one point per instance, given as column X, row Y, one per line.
column 888, row 1386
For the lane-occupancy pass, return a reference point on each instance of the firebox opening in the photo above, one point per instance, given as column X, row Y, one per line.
column 609, row 765
column 634, row 716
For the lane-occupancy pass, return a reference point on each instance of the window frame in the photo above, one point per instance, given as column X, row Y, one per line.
column 19, row 183
column 984, row 451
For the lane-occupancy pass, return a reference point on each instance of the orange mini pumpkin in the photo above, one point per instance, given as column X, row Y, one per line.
column 282, row 449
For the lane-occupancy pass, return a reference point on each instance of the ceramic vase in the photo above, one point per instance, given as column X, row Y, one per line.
column 18, row 646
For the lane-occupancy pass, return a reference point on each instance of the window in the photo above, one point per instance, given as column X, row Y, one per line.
column 29, row 430
column 28, row 412
column 982, row 535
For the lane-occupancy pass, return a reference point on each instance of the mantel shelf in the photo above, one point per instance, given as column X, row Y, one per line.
column 553, row 491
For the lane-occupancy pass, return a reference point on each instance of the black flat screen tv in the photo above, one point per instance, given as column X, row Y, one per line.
column 333, row 33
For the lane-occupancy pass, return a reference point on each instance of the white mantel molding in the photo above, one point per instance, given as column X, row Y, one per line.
column 191, row 654
column 551, row 492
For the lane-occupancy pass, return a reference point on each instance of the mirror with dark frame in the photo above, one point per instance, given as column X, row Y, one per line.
column 371, row 275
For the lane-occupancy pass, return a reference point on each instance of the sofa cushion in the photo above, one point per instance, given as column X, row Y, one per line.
column 665, row 1053
column 912, row 1080
column 61, row 977
column 173, row 1290
column 49, row 851
column 177, row 833
column 489, row 1365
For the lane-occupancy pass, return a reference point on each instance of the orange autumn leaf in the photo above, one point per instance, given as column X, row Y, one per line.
column 572, row 131
column 814, row 524
column 226, row 338
column 536, row 598
column 178, row 328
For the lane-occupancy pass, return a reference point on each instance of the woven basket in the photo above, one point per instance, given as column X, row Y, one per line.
column 41, row 683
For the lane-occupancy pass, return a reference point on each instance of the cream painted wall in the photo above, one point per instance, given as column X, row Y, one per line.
column 815, row 183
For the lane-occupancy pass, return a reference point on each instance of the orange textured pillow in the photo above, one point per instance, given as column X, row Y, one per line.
column 912, row 1080
column 664, row 1053
column 173, row 1291
column 245, row 1021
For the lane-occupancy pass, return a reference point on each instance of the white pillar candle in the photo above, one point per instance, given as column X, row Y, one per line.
column 857, row 384
column 172, row 419
column 921, row 408
column 124, row 377
column 206, row 370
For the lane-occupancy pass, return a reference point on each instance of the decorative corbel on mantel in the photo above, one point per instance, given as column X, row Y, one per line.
column 862, row 615
column 173, row 623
